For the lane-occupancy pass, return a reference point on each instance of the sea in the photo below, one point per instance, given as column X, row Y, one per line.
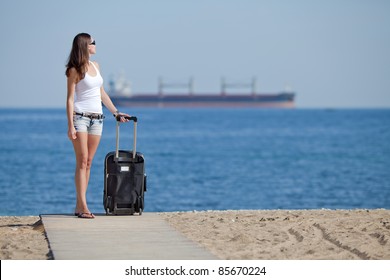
column 206, row 159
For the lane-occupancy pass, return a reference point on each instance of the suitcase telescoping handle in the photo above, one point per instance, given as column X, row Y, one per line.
column 134, row 119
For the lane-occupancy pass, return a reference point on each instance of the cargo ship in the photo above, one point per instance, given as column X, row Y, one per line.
column 121, row 95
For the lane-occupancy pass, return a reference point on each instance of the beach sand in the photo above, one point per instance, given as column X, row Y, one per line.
column 286, row 235
column 258, row 234
column 23, row 238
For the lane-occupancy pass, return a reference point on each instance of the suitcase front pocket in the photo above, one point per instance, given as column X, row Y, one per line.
column 121, row 188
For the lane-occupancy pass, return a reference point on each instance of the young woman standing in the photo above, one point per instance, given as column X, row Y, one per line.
column 85, row 94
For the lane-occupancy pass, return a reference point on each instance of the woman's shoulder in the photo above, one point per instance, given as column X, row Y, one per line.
column 72, row 73
column 96, row 64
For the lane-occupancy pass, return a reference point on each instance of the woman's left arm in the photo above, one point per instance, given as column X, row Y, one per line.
column 108, row 103
column 111, row 107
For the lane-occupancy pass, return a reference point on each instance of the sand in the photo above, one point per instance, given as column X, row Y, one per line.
column 285, row 235
column 23, row 238
column 258, row 234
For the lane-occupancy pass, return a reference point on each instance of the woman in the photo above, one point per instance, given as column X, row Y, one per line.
column 85, row 94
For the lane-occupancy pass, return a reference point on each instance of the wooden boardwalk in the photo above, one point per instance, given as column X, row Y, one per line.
column 146, row 237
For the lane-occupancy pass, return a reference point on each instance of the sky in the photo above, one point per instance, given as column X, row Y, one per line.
column 333, row 54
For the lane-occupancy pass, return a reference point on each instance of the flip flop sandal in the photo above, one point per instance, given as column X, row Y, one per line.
column 86, row 216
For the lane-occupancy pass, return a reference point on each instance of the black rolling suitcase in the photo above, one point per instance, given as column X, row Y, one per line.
column 124, row 179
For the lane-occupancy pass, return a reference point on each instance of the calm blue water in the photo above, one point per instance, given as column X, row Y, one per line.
column 202, row 159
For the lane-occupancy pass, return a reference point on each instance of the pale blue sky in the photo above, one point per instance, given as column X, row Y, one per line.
column 332, row 53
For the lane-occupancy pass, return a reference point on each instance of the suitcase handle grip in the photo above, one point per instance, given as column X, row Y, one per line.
column 132, row 118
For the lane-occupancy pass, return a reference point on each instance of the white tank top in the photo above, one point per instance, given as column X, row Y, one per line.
column 88, row 98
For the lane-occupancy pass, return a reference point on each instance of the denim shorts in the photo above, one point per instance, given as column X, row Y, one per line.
column 90, row 126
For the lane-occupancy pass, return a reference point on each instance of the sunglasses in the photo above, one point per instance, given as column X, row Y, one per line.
column 93, row 43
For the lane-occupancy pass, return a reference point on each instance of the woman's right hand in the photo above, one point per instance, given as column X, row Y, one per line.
column 72, row 133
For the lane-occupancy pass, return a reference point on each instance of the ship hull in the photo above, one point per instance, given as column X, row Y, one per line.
column 282, row 100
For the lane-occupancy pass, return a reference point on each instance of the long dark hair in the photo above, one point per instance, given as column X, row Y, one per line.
column 79, row 55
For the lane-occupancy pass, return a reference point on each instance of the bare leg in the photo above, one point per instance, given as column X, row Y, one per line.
column 85, row 147
column 93, row 143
